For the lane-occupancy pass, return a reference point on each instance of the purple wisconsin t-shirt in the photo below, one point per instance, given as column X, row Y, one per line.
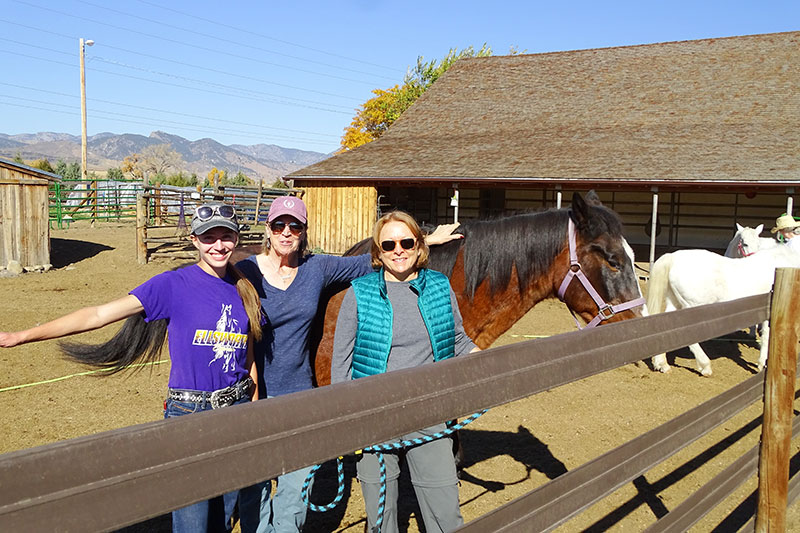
column 207, row 328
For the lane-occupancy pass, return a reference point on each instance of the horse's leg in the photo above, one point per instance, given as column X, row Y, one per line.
column 703, row 362
column 762, row 358
column 660, row 363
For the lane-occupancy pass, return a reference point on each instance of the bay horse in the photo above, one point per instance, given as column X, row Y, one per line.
column 504, row 266
column 688, row 278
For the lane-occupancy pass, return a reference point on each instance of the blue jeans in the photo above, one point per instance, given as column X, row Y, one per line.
column 211, row 515
column 284, row 513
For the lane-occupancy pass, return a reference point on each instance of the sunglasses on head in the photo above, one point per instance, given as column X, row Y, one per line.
column 205, row 212
column 405, row 244
column 278, row 226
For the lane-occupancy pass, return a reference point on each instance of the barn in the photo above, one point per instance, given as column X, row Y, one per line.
column 24, row 225
column 683, row 139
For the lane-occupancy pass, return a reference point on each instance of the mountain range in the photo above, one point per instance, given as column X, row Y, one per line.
column 267, row 162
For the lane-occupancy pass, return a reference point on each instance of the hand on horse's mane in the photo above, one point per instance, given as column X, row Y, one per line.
column 443, row 234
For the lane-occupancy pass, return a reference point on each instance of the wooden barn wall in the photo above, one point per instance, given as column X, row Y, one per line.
column 339, row 216
column 24, row 229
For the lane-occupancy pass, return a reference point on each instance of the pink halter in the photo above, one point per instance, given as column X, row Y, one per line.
column 605, row 311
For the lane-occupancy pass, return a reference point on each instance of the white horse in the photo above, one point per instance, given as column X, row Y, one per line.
column 688, row 278
column 747, row 241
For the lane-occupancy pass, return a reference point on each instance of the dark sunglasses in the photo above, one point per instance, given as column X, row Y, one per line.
column 405, row 244
column 279, row 225
column 205, row 212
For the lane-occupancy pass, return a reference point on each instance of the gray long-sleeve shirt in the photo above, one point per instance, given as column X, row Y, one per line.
column 411, row 345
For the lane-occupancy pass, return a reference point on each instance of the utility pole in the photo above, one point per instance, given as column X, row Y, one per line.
column 84, row 171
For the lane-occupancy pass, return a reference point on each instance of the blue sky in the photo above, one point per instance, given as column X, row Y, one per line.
column 293, row 73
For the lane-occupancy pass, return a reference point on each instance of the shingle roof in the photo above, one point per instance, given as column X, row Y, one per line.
column 723, row 109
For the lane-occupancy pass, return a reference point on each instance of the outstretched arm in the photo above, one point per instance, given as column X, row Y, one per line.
column 86, row 319
column 443, row 234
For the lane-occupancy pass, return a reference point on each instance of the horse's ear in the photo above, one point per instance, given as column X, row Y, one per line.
column 759, row 229
column 579, row 211
column 739, row 228
column 593, row 199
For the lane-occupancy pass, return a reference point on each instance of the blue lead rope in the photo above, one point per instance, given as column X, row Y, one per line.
column 377, row 450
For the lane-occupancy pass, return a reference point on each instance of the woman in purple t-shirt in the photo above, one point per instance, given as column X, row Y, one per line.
column 207, row 309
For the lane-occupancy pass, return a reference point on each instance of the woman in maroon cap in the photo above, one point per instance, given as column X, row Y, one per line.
column 290, row 281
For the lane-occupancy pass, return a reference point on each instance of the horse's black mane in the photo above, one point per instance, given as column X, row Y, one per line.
column 529, row 240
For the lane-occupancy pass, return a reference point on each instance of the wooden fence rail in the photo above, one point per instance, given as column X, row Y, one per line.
column 143, row 471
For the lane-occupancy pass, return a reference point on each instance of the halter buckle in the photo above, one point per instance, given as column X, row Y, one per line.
column 606, row 312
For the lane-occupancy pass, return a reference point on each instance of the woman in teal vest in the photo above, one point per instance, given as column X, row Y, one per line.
column 379, row 329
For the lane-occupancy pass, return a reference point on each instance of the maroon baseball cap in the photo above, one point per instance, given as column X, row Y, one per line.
column 287, row 205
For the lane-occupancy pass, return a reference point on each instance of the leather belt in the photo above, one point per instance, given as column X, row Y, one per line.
column 218, row 398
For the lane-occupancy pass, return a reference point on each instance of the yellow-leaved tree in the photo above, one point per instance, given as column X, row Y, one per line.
column 378, row 113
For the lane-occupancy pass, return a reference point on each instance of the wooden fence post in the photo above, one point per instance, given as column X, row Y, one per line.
column 776, row 432
column 141, row 229
column 258, row 201
column 157, row 202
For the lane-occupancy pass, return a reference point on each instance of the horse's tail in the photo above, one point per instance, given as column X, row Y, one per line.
column 658, row 284
column 136, row 341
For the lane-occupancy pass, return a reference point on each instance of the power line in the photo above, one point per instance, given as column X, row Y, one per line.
column 211, row 83
column 230, row 41
column 174, row 61
column 271, row 98
column 216, row 129
column 207, row 49
column 188, row 128
column 144, row 108
column 243, row 30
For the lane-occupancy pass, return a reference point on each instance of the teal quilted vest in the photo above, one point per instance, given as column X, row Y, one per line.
column 374, row 332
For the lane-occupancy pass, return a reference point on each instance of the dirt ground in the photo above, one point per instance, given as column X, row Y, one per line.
column 510, row 451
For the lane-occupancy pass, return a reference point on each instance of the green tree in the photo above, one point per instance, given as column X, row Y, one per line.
column 115, row 174
column 380, row 112
column 18, row 159
column 239, row 179
column 181, row 179
column 42, row 164
column 68, row 171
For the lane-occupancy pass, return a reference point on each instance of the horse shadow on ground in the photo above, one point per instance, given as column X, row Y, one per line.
column 727, row 347
column 478, row 446
column 64, row 252
column 648, row 492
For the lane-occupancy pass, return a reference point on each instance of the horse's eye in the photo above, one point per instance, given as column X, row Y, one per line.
column 613, row 263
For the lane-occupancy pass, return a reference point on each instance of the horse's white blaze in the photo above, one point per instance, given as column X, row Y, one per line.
column 688, row 278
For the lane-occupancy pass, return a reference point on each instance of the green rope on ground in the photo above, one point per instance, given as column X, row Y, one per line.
column 88, row 372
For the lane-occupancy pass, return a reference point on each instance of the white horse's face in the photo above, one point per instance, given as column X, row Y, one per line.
column 749, row 239
column 745, row 242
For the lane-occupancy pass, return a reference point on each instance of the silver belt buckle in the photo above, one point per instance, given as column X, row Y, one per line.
column 222, row 397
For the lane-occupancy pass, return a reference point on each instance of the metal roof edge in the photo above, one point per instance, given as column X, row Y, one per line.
column 44, row 174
